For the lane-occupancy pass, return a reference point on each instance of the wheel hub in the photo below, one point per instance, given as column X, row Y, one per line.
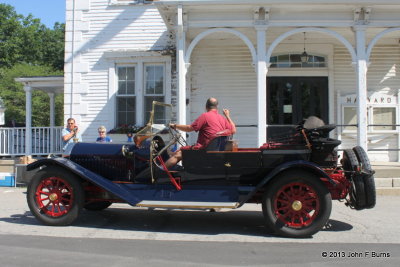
column 53, row 197
column 296, row 205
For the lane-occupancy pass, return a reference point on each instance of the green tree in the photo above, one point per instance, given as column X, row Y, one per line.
column 25, row 39
column 29, row 48
column 13, row 95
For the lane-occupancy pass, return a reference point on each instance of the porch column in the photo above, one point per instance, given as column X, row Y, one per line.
column 181, row 65
column 361, row 87
column 52, row 119
column 261, row 85
column 28, row 120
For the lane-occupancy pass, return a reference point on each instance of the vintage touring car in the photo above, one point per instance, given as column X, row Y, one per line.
column 294, row 177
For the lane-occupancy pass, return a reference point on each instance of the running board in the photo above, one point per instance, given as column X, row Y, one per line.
column 187, row 204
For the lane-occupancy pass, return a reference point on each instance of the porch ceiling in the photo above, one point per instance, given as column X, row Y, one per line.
column 296, row 13
column 283, row 16
column 48, row 84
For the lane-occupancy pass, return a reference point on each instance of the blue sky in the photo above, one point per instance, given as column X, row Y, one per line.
column 48, row 11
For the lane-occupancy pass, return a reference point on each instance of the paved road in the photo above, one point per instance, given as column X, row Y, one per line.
column 123, row 234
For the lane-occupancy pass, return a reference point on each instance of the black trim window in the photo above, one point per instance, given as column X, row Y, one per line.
column 138, row 86
column 294, row 61
column 126, row 96
column 154, row 87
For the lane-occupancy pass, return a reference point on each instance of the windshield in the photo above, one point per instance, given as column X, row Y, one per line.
column 160, row 118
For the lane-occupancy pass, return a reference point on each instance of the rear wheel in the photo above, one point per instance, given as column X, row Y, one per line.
column 55, row 196
column 367, row 176
column 357, row 194
column 296, row 204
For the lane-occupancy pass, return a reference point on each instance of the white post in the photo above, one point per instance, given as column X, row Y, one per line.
column 397, row 127
column 361, row 87
column 261, row 86
column 28, row 120
column 339, row 116
column 52, row 119
column 181, row 65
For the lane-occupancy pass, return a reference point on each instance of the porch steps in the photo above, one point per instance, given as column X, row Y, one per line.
column 387, row 178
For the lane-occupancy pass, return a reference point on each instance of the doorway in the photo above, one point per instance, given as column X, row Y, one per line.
column 292, row 99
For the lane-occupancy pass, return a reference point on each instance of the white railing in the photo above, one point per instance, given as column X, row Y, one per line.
column 45, row 140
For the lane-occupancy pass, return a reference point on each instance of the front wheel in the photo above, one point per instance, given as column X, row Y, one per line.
column 296, row 204
column 55, row 196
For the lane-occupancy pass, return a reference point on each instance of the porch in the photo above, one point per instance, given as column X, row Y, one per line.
column 34, row 141
column 246, row 46
column 43, row 141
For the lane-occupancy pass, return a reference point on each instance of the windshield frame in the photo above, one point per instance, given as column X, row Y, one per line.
column 152, row 129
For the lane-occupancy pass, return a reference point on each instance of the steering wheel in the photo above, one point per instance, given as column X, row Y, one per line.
column 178, row 136
column 155, row 152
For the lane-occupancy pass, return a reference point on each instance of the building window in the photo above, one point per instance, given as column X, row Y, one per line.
column 294, row 61
column 381, row 119
column 126, row 98
column 154, row 88
column 384, row 118
column 138, row 86
column 349, row 119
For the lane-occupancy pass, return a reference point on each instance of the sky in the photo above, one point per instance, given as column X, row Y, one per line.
column 48, row 11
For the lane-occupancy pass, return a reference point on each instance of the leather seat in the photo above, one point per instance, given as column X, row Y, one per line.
column 217, row 144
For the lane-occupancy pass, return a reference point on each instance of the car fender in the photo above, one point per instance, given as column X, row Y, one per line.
column 114, row 188
column 305, row 165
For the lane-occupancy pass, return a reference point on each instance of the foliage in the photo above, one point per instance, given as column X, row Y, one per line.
column 13, row 95
column 25, row 39
column 29, row 48
column 124, row 129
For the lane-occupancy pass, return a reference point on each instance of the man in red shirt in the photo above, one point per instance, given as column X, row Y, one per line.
column 207, row 124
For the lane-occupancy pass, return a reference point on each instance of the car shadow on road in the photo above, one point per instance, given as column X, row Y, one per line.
column 238, row 222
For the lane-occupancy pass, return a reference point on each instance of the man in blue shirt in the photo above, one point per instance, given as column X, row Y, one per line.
column 71, row 133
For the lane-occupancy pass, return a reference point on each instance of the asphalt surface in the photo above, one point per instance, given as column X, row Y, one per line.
column 126, row 236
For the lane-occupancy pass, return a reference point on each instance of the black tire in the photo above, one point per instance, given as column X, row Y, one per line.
column 349, row 161
column 309, row 200
column 357, row 194
column 97, row 206
column 368, row 177
column 55, row 196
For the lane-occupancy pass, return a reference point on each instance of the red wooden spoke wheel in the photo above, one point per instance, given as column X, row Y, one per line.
column 296, row 203
column 55, row 196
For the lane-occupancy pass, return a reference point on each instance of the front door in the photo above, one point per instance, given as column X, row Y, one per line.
column 292, row 99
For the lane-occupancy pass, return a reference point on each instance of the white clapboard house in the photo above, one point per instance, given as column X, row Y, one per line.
column 272, row 63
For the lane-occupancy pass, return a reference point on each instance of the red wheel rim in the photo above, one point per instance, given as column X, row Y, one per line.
column 54, row 196
column 296, row 205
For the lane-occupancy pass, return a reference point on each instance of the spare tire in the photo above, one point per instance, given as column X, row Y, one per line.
column 367, row 176
column 357, row 193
